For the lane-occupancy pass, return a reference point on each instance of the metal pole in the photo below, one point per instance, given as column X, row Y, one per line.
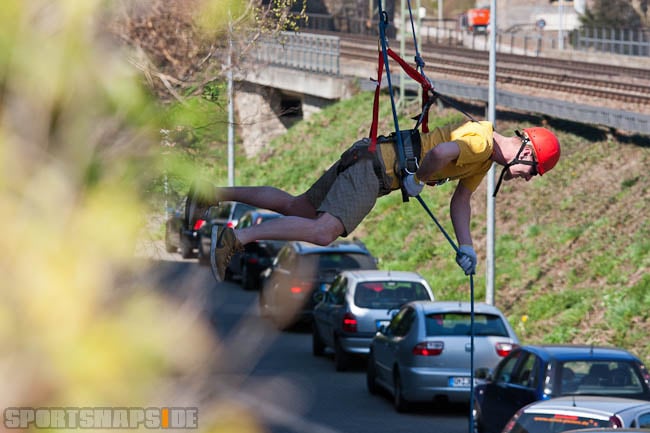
column 489, row 262
column 560, row 34
column 440, row 12
column 231, row 114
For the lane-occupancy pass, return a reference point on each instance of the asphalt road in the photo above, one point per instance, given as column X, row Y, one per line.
column 276, row 374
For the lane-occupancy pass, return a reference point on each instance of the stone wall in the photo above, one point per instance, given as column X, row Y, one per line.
column 257, row 111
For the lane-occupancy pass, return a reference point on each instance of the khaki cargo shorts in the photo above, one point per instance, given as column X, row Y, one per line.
column 349, row 195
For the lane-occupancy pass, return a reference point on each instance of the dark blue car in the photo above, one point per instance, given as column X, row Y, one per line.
column 532, row 373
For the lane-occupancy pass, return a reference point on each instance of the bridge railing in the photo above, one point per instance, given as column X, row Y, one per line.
column 302, row 51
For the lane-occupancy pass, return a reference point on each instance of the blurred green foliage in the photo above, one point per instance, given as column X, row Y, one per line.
column 80, row 150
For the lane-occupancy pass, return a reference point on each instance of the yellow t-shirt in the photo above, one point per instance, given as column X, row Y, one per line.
column 475, row 141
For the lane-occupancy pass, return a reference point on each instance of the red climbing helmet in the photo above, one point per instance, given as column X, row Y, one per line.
column 546, row 146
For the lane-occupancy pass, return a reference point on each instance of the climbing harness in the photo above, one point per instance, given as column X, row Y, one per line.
column 405, row 141
column 407, row 158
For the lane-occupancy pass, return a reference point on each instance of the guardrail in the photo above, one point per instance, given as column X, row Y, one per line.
column 581, row 113
column 302, row 51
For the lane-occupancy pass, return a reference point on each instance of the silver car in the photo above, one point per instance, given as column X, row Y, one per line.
column 348, row 315
column 580, row 412
column 424, row 353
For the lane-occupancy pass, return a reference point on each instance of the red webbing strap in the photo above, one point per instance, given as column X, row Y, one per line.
column 411, row 72
column 414, row 74
column 375, row 105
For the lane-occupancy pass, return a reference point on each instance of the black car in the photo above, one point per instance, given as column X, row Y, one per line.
column 185, row 220
column 301, row 269
column 226, row 213
column 257, row 255
column 532, row 373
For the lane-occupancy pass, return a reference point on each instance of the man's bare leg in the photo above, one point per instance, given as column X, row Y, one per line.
column 267, row 197
column 322, row 230
column 301, row 221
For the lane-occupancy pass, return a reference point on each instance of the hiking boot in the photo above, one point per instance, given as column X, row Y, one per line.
column 223, row 245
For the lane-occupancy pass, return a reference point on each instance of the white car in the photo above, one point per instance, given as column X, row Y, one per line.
column 580, row 412
column 348, row 315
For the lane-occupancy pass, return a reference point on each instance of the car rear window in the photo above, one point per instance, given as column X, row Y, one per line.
column 240, row 210
column 600, row 377
column 313, row 265
column 459, row 324
column 388, row 294
column 345, row 261
column 554, row 423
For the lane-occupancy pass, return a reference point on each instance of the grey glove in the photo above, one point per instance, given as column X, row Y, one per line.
column 466, row 259
column 412, row 186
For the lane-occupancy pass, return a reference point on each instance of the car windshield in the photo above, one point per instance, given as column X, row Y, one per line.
column 388, row 294
column 460, row 323
column 554, row 423
column 600, row 378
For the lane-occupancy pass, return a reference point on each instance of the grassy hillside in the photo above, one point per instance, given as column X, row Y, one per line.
column 572, row 247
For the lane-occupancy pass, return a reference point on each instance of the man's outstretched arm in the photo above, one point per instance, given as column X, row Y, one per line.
column 461, row 214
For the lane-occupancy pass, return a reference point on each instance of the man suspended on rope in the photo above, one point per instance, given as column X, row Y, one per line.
column 341, row 198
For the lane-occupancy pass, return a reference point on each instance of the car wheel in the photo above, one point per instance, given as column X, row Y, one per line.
column 247, row 280
column 371, row 375
column 186, row 247
column 203, row 259
column 341, row 357
column 400, row 403
column 317, row 345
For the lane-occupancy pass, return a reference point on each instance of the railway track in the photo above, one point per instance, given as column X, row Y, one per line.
column 616, row 86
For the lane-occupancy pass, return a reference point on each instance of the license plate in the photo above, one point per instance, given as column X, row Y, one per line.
column 381, row 323
column 459, row 382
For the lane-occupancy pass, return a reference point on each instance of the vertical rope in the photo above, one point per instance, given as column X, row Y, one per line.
column 383, row 20
column 471, row 326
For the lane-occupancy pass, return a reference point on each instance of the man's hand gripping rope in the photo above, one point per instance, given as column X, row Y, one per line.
column 466, row 259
